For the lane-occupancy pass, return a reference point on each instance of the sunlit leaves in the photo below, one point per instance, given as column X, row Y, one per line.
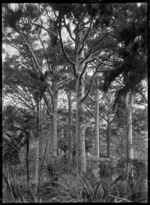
column 32, row 11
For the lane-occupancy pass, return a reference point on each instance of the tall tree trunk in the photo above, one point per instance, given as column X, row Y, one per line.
column 8, row 172
column 54, row 136
column 80, row 112
column 54, row 117
column 69, row 133
column 37, row 149
column 27, row 158
column 126, row 140
column 51, row 134
column 62, row 137
column 80, row 128
column 43, row 137
column 129, row 137
column 108, row 136
column 122, row 146
column 97, row 119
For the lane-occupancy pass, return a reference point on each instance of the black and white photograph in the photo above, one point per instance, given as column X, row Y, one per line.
column 75, row 102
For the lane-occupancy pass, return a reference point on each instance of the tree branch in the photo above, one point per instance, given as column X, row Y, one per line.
column 89, row 90
column 92, row 78
column 103, row 117
column 68, row 29
column 83, row 43
column 91, row 99
column 61, row 43
column 39, row 69
column 86, row 35
column 85, row 66
column 29, row 97
column 112, row 119
column 32, row 53
column 91, row 113
column 21, row 100
column 36, row 62
column 93, row 47
column 46, row 30
column 48, row 105
column 45, row 54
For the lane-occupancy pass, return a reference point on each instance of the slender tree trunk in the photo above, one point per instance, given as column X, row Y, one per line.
column 43, row 159
column 27, row 161
column 62, row 136
column 122, row 146
column 69, row 134
column 80, row 111
column 108, row 136
column 8, row 172
column 54, row 118
column 43, row 137
column 51, row 134
column 129, row 143
column 54, row 136
column 37, row 151
column 27, row 158
column 129, row 138
column 80, row 129
column 126, row 141
column 97, row 120
column 53, row 128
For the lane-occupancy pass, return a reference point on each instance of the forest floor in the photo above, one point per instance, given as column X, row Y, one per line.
column 97, row 185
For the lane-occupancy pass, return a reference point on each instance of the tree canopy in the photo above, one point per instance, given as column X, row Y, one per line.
column 74, row 101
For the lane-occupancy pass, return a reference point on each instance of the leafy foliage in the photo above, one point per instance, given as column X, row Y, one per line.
column 118, row 33
column 133, row 68
column 12, row 17
column 15, row 124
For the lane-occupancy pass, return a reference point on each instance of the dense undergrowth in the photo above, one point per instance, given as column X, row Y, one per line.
column 106, row 184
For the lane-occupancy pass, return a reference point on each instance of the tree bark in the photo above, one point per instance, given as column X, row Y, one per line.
column 129, row 137
column 54, row 136
column 54, row 117
column 51, row 134
column 62, row 137
column 80, row 129
column 27, row 158
column 37, row 150
column 69, row 133
column 108, row 136
column 122, row 146
column 80, row 112
column 97, row 120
